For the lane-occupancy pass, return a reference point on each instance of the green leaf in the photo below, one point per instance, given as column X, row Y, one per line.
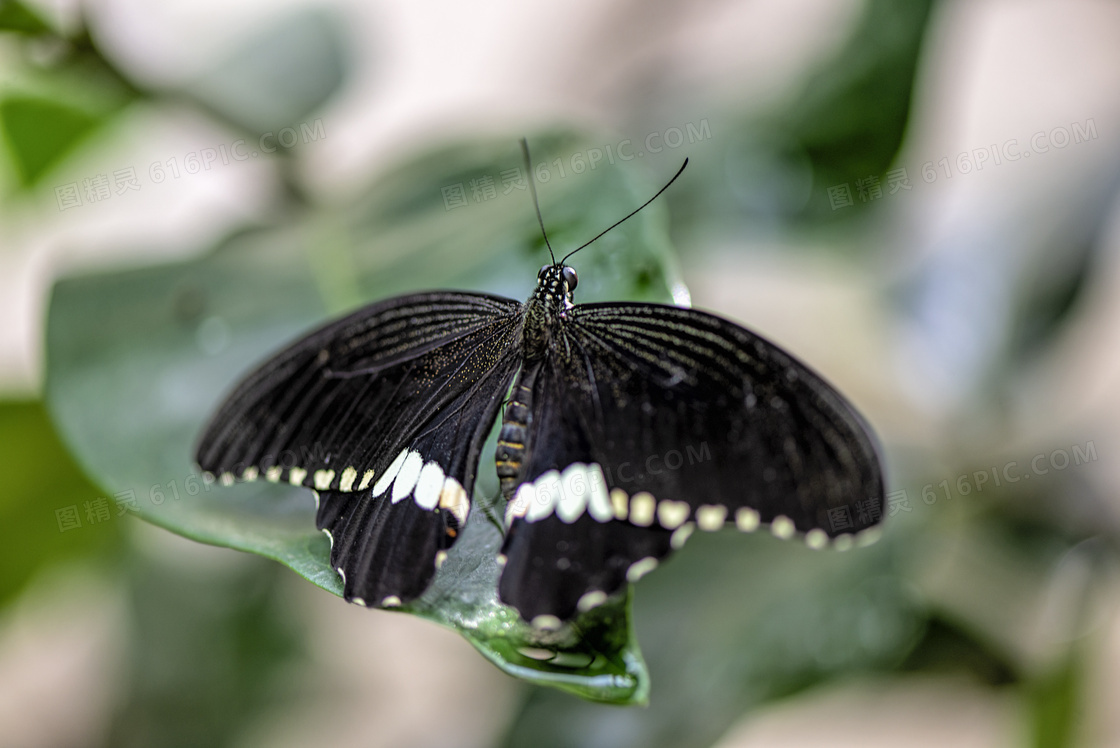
column 45, row 502
column 851, row 118
column 1055, row 703
column 207, row 656
column 280, row 76
column 15, row 16
column 847, row 123
column 137, row 360
column 39, row 132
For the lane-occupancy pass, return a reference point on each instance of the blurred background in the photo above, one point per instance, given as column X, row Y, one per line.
column 920, row 199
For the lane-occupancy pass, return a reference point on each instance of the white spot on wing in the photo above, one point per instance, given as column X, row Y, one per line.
column 681, row 535
column 672, row 514
column 406, row 478
column 346, row 480
column 386, row 480
column 537, row 653
column 546, row 622
column 358, row 601
column 710, row 517
column 620, row 503
column 323, row 478
column 250, row 473
column 392, row 601
column 545, row 494
column 226, row 479
column 296, row 476
column 816, row 539
column 843, row 542
column 869, row 536
column 428, row 486
column 782, row 527
column 366, row 480
column 746, row 519
column 573, row 493
column 598, row 500
column 642, row 505
column 441, row 556
column 592, row 599
column 639, row 569
column 519, row 504
column 454, row 499
column 272, row 475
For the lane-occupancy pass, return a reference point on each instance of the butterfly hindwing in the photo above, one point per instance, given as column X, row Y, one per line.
column 388, row 539
column 383, row 413
column 563, row 550
column 676, row 420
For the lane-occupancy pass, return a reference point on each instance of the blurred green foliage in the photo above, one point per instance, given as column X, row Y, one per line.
column 44, row 493
column 208, row 653
column 1054, row 702
column 58, row 100
column 137, row 358
column 40, row 132
column 851, row 117
column 262, row 85
column 771, row 170
column 15, row 16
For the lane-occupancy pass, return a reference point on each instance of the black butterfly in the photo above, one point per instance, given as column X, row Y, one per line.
column 627, row 426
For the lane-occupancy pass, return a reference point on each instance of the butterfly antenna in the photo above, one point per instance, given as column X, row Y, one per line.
column 631, row 215
column 533, row 189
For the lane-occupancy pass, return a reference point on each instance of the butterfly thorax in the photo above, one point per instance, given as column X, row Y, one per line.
column 546, row 308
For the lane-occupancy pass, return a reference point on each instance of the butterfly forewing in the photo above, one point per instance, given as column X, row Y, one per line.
column 711, row 413
column 684, row 421
column 343, row 395
column 384, row 414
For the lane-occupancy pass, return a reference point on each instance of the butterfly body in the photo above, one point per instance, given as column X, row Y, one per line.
column 543, row 317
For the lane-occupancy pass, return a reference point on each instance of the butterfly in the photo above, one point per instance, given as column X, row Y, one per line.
column 624, row 428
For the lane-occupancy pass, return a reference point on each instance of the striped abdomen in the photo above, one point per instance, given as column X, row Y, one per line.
column 511, row 440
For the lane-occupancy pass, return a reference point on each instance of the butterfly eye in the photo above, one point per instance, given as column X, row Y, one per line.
column 543, row 270
column 570, row 278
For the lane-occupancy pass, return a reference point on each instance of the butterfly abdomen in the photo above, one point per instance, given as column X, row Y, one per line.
column 511, row 440
column 510, row 455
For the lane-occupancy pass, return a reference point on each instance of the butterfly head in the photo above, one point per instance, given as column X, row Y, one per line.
column 555, row 284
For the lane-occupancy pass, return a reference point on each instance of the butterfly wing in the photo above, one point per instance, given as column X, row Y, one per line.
column 650, row 421
column 383, row 413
